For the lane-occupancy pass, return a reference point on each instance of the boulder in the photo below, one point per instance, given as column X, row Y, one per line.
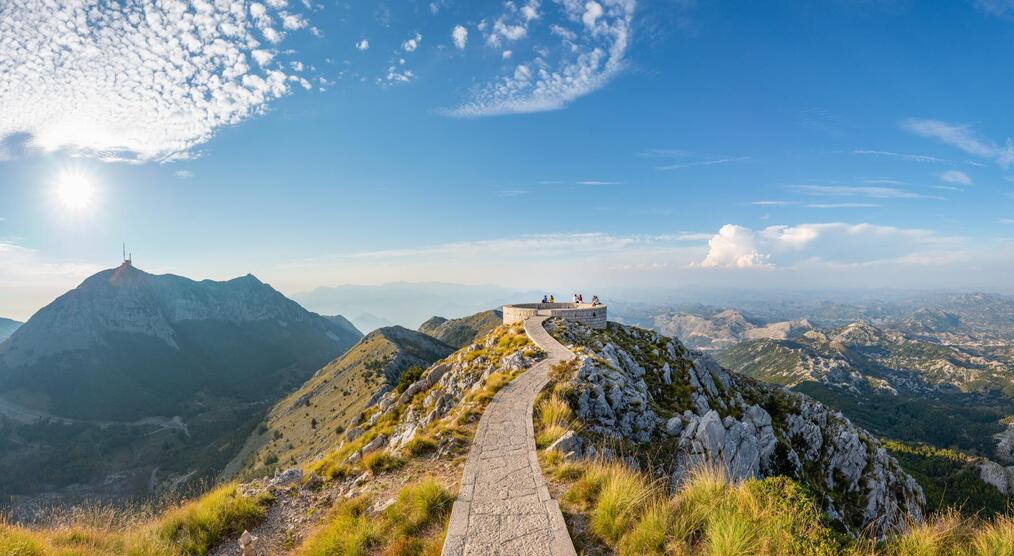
column 289, row 477
column 569, row 444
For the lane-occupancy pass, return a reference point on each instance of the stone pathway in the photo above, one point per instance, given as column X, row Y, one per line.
column 503, row 506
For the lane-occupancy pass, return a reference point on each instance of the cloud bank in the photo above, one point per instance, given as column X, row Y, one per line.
column 138, row 80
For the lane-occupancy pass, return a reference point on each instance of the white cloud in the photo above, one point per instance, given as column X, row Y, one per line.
column 734, row 246
column 592, row 12
column 956, row 177
column 145, row 80
column 587, row 62
column 963, row 137
column 833, row 243
column 1007, row 221
column 460, row 36
column 506, row 54
column 363, row 45
column 183, row 174
column 411, row 44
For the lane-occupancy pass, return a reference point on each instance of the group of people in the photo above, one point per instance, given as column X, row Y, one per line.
column 578, row 298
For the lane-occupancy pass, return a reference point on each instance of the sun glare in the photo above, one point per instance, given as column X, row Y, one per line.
column 75, row 191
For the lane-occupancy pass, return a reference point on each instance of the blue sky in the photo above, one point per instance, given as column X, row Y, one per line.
column 828, row 143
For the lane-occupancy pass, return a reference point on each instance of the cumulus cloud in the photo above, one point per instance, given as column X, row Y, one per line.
column 964, row 138
column 363, row 45
column 137, row 81
column 460, row 36
column 734, row 246
column 411, row 44
column 594, row 37
column 956, row 177
column 833, row 243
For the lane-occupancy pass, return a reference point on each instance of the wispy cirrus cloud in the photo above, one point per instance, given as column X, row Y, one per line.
column 904, row 156
column 859, row 191
column 711, row 162
column 963, row 137
column 593, row 39
column 138, row 81
column 956, row 177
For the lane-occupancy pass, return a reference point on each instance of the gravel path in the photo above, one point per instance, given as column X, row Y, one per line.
column 503, row 506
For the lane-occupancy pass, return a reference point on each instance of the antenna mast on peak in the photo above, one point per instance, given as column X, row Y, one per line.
column 127, row 259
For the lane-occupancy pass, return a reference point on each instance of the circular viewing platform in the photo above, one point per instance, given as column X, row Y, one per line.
column 585, row 313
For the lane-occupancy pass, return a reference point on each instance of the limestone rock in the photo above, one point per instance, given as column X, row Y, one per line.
column 289, row 477
column 569, row 444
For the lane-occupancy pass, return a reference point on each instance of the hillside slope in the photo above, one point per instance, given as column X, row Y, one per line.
column 133, row 381
column 462, row 331
column 895, row 385
column 7, row 327
column 310, row 420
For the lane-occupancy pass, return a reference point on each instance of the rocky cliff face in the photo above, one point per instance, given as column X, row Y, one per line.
column 648, row 393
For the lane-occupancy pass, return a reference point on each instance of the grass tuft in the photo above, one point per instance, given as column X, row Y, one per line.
column 381, row 461
column 412, row 526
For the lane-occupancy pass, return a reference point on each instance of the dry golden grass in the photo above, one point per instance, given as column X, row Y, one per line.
column 186, row 529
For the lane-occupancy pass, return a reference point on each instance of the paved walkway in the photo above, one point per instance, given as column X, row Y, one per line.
column 503, row 506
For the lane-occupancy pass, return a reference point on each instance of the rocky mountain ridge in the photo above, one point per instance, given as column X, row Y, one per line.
column 132, row 382
column 649, row 393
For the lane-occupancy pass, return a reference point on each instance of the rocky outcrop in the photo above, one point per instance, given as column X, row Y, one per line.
column 1001, row 477
column 642, row 389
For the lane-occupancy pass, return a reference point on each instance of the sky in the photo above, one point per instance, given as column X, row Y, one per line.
column 566, row 143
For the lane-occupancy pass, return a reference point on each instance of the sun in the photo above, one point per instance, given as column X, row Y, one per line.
column 75, row 191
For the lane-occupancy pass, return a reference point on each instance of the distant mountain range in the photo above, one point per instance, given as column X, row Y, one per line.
column 723, row 329
column 133, row 379
column 897, row 385
column 408, row 304
column 7, row 327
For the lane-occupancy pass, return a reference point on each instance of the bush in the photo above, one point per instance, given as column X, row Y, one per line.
column 408, row 377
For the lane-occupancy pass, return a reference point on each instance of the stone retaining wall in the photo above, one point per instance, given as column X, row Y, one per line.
column 585, row 313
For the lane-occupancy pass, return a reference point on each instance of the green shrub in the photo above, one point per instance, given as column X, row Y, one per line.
column 408, row 377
